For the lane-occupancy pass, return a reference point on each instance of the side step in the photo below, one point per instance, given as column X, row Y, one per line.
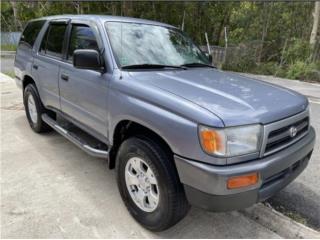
column 79, row 138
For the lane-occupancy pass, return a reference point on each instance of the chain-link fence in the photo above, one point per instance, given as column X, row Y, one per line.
column 243, row 55
column 293, row 59
column 10, row 38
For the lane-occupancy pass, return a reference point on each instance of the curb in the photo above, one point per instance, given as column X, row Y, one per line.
column 8, row 53
column 279, row 223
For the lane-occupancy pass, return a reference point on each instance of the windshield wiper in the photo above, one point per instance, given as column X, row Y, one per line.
column 151, row 66
column 196, row 64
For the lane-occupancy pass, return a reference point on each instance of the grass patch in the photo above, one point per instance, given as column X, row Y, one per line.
column 291, row 214
column 10, row 74
column 8, row 47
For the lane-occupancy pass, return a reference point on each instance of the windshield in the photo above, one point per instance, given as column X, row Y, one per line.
column 143, row 44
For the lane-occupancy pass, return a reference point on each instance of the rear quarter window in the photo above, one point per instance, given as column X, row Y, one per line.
column 31, row 32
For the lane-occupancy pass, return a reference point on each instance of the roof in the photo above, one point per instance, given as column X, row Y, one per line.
column 106, row 18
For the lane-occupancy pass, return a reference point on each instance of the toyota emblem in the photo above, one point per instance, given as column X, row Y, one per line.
column 293, row 131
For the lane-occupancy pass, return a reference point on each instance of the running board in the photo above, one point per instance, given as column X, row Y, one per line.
column 76, row 139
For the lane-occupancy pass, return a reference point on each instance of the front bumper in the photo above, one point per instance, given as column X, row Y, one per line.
column 206, row 185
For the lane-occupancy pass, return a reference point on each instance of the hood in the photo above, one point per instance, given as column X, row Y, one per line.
column 236, row 99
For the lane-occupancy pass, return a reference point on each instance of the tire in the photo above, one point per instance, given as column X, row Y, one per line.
column 35, row 110
column 172, row 205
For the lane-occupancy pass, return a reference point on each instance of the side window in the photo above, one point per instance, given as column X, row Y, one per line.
column 82, row 37
column 52, row 41
column 31, row 32
column 44, row 42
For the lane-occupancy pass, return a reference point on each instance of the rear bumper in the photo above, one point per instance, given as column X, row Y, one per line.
column 205, row 185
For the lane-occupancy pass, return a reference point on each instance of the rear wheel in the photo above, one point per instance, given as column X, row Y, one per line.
column 149, row 184
column 34, row 109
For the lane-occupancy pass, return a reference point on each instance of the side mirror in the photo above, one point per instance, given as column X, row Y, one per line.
column 209, row 56
column 87, row 59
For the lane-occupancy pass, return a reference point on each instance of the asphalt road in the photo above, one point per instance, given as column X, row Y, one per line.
column 301, row 199
column 62, row 163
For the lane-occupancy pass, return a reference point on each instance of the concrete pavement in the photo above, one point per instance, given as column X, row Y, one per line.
column 52, row 189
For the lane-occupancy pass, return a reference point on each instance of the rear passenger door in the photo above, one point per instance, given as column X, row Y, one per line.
column 47, row 62
column 83, row 93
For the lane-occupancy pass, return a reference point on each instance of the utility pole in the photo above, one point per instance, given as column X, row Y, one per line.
column 315, row 31
column 315, row 27
column 17, row 23
column 225, row 44
column 182, row 25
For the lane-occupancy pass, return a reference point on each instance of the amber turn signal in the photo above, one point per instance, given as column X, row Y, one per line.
column 211, row 141
column 242, row 181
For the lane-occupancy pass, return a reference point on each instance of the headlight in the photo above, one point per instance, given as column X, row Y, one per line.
column 228, row 142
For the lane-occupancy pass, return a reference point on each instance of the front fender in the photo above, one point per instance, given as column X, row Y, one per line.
column 180, row 132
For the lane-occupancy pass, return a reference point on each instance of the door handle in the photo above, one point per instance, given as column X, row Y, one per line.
column 64, row 77
column 35, row 67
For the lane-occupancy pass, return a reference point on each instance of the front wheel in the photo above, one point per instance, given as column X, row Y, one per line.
column 149, row 185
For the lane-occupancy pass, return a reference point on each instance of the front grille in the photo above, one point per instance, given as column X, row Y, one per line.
column 280, row 138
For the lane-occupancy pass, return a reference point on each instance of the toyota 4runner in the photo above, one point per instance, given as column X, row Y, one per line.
column 178, row 131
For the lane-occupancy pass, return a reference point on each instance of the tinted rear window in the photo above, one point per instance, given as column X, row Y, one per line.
column 31, row 32
column 52, row 42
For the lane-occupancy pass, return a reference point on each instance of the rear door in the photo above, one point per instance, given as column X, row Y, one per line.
column 48, row 60
column 83, row 93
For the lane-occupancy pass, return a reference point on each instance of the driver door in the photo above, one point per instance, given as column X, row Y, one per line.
column 83, row 93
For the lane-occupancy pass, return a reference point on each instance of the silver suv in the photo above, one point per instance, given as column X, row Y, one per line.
column 178, row 131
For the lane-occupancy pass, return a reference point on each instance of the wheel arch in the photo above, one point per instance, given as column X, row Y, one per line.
column 27, row 79
column 127, row 128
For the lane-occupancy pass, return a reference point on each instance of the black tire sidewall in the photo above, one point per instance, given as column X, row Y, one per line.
column 136, row 148
column 30, row 90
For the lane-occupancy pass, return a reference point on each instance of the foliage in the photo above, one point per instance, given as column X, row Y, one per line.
column 10, row 74
column 244, row 20
column 267, row 37
column 8, row 47
column 268, row 68
column 299, row 50
column 303, row 70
